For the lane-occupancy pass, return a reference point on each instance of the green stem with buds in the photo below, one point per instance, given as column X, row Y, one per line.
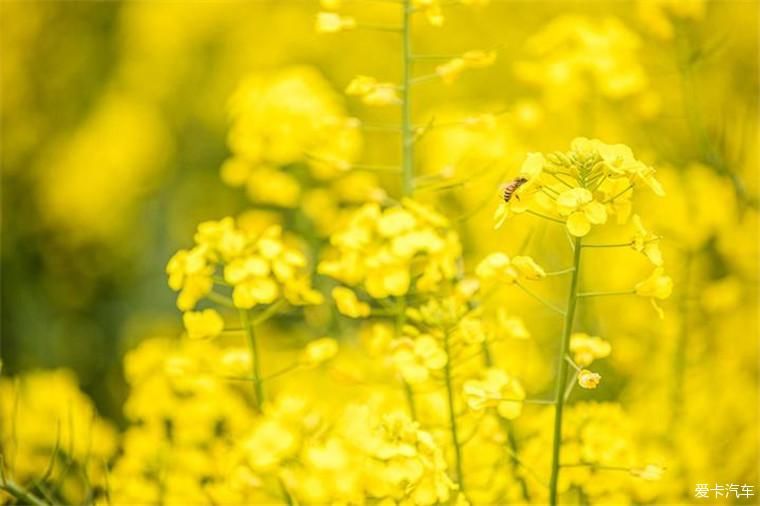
column 562, row 366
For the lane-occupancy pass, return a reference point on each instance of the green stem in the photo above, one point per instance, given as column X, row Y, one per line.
column 258, row 386
column 220, row 299
column 555, row 220
column 615, row 245
column 612, row 199
column 407, row 138
column 562, row 365
column 400, row 314
column 452, row 412
column 605, row 294
column 540, row 299
column 20, row 494
column 559, row 273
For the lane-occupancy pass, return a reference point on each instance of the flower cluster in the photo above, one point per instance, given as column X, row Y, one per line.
column 583, row 187
column 574, row 52
column 389, row 252
column 260, row 268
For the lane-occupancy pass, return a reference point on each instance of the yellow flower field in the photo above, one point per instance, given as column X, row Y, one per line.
column 380, row 252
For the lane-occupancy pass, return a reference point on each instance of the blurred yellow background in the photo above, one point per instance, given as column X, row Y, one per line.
column 119, row 123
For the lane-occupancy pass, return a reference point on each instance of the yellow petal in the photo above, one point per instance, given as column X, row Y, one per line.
column 578, row 224
column 595, row 212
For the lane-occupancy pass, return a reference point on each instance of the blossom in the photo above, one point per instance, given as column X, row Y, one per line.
column 574, row 57
column 284, row 117
column 657, row 286
column 388, row 251
column 431, row 9
column 499, row 267
column 650, row 472
column 588, row 379
column 373, row 92
column 581, row 210
column 319, row 351
column 348, row 303
column 203, row 324
column 451, row 70
column 331, row 22
column 496, row 389
column 270, row 442
column 619, row 160
column 415, row 358
column 190, row 273
column 259, row 268
column 646, row 242
column 586, row 349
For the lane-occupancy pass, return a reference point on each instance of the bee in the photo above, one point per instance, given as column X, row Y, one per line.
column 510, row 188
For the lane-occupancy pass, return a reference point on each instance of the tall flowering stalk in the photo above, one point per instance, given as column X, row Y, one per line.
column 580, row 189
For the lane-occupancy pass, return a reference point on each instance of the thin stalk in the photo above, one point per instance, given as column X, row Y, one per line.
column 407, row 132
column 611, row 199
column 452, row 412
column 220, row 299
column 400, row 313
column 559, row 273
column 614, row 245
column 17, row 492
column 258, row 386
column 534, row 213
column 606, row 294
column 540, row 299
column 559, row 391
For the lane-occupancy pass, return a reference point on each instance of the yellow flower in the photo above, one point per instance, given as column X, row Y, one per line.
column 574, row 57
column 646, row 242
column 373, row 92
column 260, row 268
column 496, row 389
column 268, row 185
column 331, row 22
column 619, row 161
column 581, row 210
column 528, row 268
column 416, row 358
column 586, row 349
column 203, row 324
column 190, row 274
column 254, row 291
column 349, row 304
column 431, row 9
column 657, row 286
column 450, row 70
column 319, row 351
column 235, row 362
column 285, row 117
column 650, row 472
column 270, row 442
column 498, row 267
column 513, row 326
column 389, row 251
column 588, row 379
